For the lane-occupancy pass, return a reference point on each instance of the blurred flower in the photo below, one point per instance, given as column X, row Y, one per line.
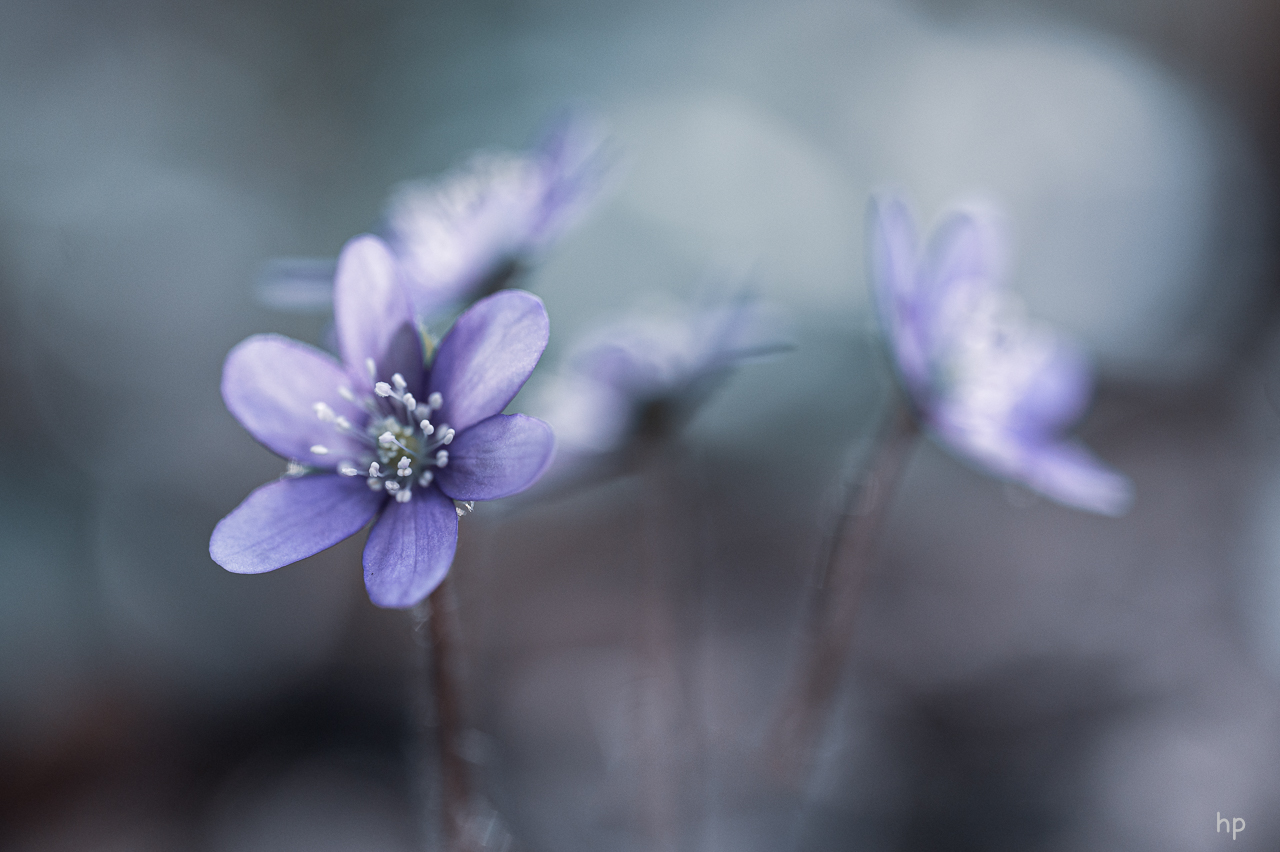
column 641, row 379
column 992, row 386
column 465, row 234
column 367, row 437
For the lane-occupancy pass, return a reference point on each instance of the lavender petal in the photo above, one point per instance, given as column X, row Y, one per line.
column 892, row 241
column 497, row 457
column 488, row 355
column 1071, row 475
column 291, row 519
column 410, row 549
column 271, row 385
column 373, row 315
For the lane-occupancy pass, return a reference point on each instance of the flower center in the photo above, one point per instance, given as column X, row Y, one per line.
column 401, row 446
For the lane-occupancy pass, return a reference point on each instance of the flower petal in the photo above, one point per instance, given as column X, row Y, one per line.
column 963, row 263
column 291, row 519
column 1054, row 396
column 1071, row 475
column 497, row 457
column 892, row 241
column 271, row 385
column 373, row 316
column 488, row 355
column 410, row 549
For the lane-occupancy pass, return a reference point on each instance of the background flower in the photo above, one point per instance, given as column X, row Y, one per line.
column 994, row 387
column 643, row 377
column 360, row 435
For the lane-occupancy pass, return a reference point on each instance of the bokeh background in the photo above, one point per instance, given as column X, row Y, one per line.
column 1024, row 676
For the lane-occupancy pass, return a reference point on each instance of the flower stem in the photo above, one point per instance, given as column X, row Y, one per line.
column 830, row 622
column 441, row 711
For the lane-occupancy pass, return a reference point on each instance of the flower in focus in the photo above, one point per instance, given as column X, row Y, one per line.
column 380, row 434
column 467, row 232
column 992, row 386
column 644, row 377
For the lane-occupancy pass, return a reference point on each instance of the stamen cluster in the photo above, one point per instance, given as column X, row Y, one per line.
column 402, row 445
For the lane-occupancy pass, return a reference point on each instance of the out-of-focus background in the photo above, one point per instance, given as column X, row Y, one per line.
column 1024, row 677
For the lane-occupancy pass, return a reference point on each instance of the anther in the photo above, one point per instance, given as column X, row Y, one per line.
column 382, row 389
column 342, row 422
column 345, row 393
column 403, row 468
column 320, row 449
column 442, row 458
column 403, row 496
column 375, row 483
column 371, row 367
column 399, row 381
column 386, row 439
column 392, row 486
column 435, row 400
column 373, row 469
column 426, row 478
column 347, row 469
column 426, row 427
column 448, row 436
column 324, row 412
column 409, row 402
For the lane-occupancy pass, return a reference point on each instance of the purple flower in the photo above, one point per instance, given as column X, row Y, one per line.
column 992, row 386
column 645, row 376
column 380, row 434
column 465, row 232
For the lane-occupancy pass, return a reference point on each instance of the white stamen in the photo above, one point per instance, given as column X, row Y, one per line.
column 435, row 400
column 426, row 478
column 371, row 367
column 392, row 486
column 347, row 469
column 386, row 439
column 324, row 412
column 426, row 427
column 403, row 496
column 403, row 468
column 442, row 458
column 373, row 469
column 399, row 382
column 409, row 402
column 320, row 449
column 382, row 389
column 448, row 436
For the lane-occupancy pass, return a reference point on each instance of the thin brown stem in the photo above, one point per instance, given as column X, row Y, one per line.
column 831, row 620
column 455, row 774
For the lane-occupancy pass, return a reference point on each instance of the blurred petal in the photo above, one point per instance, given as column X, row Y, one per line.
column 271, row 385
column 291, row 519
column 893, row 279
column 410, row 549
column 1055, row 396
column 497, row 457
column 373, row 316
column 450, row 233
column 488, row 355
column 962, row 265
column 1072, row 476
column 573, row 171
column 298, row 284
